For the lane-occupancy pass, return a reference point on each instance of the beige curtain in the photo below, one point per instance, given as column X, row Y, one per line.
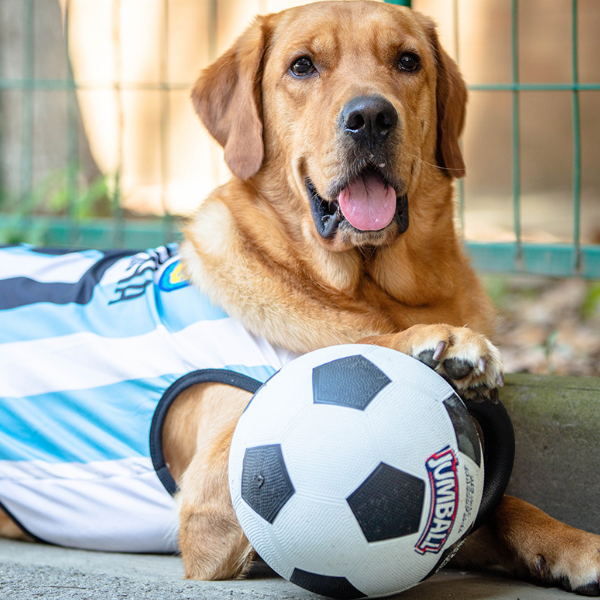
column 134, row 62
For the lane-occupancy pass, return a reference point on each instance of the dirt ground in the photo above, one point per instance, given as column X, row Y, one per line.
column 548, row 326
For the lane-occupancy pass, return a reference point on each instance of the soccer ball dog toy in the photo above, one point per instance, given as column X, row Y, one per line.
column 357, row 471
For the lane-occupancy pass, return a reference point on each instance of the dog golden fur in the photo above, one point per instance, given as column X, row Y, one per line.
column 340, row 122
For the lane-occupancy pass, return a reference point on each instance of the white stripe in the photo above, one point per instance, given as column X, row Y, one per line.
column 46, row 268
column 113, row 506
column 86, row 360
column 38, row 469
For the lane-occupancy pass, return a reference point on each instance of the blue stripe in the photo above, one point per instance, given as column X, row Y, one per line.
column 182, row 307
column 105, row 423
column 175, row 310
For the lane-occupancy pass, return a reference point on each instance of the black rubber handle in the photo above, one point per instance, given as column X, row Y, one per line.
column 498, row 454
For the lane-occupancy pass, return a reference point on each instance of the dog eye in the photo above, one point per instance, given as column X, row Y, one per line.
column 302, row 67
column 409, row 62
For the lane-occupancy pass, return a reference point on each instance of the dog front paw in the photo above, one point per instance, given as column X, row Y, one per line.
column 465, row 358
column 531, row 545
column 573, row 564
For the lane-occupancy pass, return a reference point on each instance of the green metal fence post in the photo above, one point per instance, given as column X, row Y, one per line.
column 72, row 173
column 516, row 134
column 27, row 101
column 576, row 142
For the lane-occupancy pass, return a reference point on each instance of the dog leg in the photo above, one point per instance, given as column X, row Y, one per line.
column 532, row 545
column 9, row 529
column 467, row 359
column 213, row 545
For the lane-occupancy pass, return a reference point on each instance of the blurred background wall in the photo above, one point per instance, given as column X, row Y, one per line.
column 484, row 52
column 112, row 120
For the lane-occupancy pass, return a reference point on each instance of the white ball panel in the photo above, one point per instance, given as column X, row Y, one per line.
column 260, row 535
column 408, row 426
column 325, row 536
column 329, row 451
column 274, row 407
column 401, row 367
column 394, row 562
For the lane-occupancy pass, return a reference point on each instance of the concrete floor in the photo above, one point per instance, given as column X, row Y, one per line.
column 35, row 571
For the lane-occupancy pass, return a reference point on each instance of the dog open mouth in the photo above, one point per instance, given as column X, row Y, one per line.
column 367, row 203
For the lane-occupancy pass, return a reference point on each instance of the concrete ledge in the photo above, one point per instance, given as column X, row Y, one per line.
column 29, row 571
column 557, row 430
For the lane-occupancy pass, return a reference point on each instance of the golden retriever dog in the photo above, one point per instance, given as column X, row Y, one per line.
column 340, row 122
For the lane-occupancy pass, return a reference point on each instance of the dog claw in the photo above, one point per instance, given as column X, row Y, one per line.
column 426, row 357
column 501, row 380
column 481, row 365
column 439, row 350
column 474, row 396
column 541, row 567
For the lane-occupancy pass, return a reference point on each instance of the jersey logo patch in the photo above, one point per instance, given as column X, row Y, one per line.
column 173, row 278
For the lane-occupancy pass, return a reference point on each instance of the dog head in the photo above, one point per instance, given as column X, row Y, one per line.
column 344, row 108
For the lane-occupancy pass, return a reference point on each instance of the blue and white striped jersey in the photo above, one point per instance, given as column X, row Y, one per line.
column 94, row 346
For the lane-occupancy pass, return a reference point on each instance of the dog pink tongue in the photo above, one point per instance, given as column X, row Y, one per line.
column 368, row 203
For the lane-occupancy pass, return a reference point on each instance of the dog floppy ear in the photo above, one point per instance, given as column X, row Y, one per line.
column 451, row 101
column 227, row 99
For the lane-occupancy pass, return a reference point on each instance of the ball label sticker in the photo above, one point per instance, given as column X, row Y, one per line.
column 441, row 469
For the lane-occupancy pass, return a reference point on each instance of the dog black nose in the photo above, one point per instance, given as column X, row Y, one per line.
column 369, row 119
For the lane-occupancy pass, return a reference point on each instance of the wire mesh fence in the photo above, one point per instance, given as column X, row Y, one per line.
column 62, row 207
column 558, row 259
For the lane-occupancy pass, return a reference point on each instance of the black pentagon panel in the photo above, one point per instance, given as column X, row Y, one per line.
column 446, row 556
column 266, row 485
column 388, row 504
column 466, row 433
column 326, row 585
column 352, row 381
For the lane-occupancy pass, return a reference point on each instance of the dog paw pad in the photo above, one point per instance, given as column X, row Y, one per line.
column 457, row 368
column 426, row 357
column 589, row 589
